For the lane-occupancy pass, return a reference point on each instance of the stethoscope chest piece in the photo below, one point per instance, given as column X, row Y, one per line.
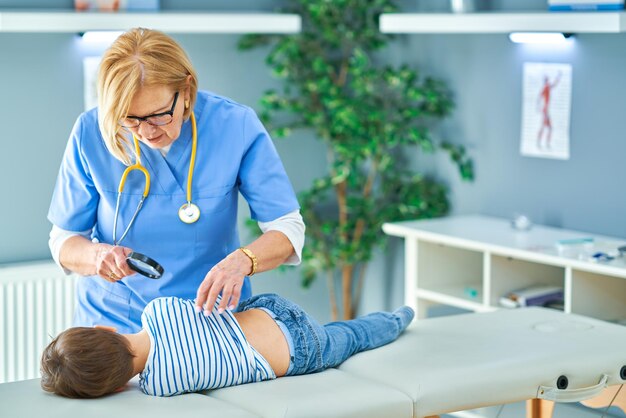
column 189, row 213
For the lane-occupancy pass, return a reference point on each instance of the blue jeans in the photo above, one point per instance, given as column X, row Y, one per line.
column 318, row 347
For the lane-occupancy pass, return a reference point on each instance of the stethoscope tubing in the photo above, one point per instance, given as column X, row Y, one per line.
column 138, row 166
column 192, row 158
column 132, row 220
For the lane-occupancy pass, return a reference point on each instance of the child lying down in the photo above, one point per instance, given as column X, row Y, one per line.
column 181, row 350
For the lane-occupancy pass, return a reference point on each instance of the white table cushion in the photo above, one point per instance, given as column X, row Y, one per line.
column 328, row 394
column 468, row 361
column 438, row 365
column 26, row 399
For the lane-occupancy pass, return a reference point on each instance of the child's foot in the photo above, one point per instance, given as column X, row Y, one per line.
column 405, row 315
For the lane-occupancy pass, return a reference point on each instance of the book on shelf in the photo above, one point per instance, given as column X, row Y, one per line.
column 116, row 5
column 532, row 296
column 584, row 5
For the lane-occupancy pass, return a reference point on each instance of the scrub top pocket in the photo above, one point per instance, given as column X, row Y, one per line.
column 215, row 199
column 216, row 230
column 103, row 304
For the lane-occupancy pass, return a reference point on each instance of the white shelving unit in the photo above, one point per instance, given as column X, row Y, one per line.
column 501, row 22
column 469, row 262
column 171, row 22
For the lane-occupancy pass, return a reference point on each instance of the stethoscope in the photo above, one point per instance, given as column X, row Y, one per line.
column 188, row 212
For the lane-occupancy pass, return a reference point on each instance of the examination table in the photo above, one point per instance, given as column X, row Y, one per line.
column 438, row 365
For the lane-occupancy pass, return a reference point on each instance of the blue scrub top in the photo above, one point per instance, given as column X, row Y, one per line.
column 234, row 154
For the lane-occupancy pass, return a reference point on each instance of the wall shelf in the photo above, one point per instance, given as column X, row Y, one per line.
column 171, row 22
column 499, row 22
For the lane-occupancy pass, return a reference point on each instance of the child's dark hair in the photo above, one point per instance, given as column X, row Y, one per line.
column 86, row 363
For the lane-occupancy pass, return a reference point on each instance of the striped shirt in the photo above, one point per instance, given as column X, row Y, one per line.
column 190, row 352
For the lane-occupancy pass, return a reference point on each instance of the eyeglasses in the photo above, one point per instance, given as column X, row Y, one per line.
column 157, row 119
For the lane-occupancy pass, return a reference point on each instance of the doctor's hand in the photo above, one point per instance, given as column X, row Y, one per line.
column 226, row 277
column 111, row 262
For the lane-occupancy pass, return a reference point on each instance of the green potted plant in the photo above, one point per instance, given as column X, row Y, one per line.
column 367, row 115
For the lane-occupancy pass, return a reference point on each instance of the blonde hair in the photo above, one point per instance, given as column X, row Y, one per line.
column 86, row 362
column 138, row 58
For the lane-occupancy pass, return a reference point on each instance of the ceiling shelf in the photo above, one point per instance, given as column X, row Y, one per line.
column 499, row 22
column 171, row 22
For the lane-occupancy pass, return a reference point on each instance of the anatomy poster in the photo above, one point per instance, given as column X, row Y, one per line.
column 546, row 103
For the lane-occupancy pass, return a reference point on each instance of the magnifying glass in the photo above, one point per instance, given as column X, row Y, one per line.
column 144, row 265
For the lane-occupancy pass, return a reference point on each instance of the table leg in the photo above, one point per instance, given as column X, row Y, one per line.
column 617, row 394
column 539, row 408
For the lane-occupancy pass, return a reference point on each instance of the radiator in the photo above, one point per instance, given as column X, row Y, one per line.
column 36, row 303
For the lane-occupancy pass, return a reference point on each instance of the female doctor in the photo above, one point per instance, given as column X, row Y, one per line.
column 156, row 169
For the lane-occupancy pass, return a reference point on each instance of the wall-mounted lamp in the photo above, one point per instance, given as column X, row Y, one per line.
column 100, row 37
column 540, row 37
